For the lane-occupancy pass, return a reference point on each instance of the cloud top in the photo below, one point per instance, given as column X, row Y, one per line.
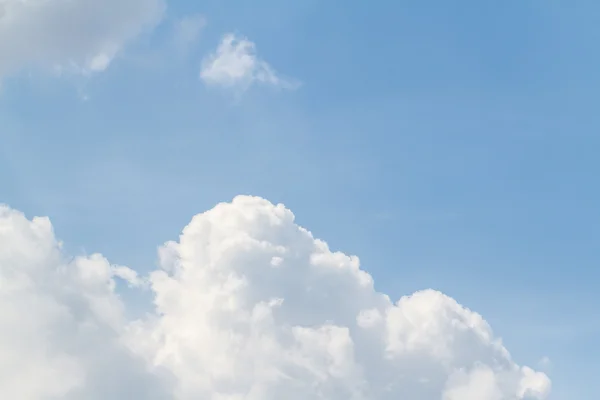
column 247, row 305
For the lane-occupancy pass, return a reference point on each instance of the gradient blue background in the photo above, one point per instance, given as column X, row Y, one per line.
column 451, row 145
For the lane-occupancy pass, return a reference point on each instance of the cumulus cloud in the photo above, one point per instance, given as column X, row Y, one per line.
column 61, row 322
column 77, row 35
column 236, row 65
column 247, row 305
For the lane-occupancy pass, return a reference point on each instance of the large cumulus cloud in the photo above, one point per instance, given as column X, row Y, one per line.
column 61, row 322
column 247, row 305
column 78, row 35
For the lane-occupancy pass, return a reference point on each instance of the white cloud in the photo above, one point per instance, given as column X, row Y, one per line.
column 236, row 65
column 248, row 305
column 77, row 35
column 61, row 322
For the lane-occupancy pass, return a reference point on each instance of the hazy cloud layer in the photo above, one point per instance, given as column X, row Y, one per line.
column 75, row 35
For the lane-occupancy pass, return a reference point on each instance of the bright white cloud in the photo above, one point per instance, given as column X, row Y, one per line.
column 248, row 305
column 61, row 322
column 78, row 35
column 236, row 65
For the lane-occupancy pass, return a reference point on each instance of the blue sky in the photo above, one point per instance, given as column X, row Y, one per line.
column 448, row 146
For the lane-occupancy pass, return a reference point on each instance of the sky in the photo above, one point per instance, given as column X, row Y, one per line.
column 449, row 146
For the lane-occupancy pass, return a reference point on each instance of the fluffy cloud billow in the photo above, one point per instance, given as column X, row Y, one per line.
column 247, row 305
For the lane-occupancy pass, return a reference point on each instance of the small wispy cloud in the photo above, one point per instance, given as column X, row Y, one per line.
column 236, row 65
column 187, row 32
column 545, row 364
